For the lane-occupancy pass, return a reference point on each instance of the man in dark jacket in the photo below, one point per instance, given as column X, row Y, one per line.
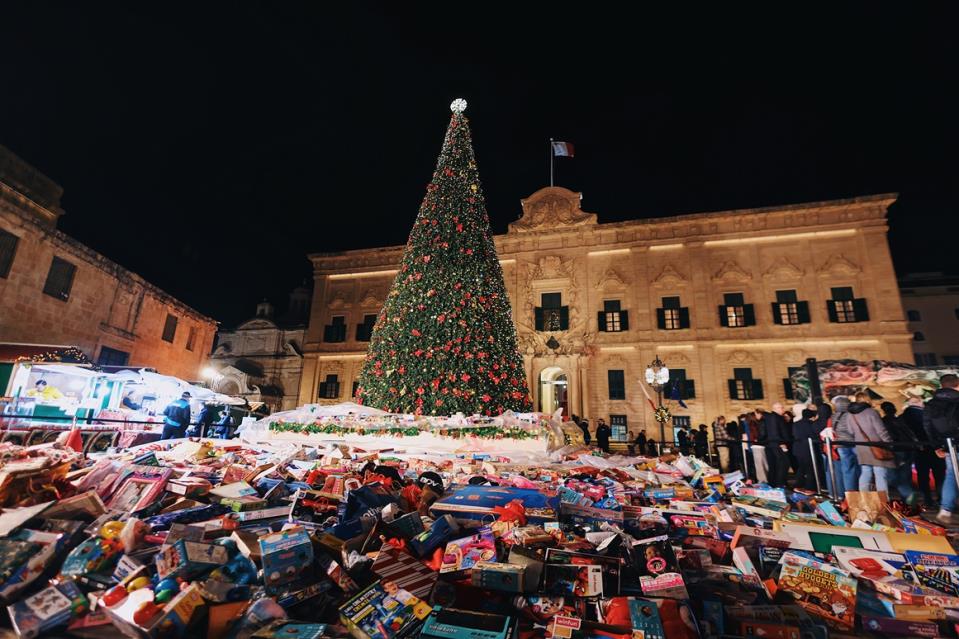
column 806, row 430
column 701, row 442
column 941, row 420
column 905, row 452
column 584, row 426
column 176, row 417
column 926, row 459
column 602, row 435
column 777, row 449
column 682, row 440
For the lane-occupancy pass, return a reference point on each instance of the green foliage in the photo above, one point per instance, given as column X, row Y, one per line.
column 444, row 341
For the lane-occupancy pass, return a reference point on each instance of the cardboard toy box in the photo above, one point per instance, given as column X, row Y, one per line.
column 186, row 558
column 175, row 619
column 383, row 611
column 498, row 576
column 286, row 555
column 477, row 503
column 450, row 623
column 47, row 609
column 464, row 553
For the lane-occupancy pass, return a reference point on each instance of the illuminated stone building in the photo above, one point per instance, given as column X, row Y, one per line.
column 730, row 301
column 55, row 290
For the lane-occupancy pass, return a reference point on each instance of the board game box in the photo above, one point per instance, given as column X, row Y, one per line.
column 819, row 588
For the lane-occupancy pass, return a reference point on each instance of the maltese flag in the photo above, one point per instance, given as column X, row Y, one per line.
column 562, row 149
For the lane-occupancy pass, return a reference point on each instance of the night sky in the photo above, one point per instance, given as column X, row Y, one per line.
column 211, row 146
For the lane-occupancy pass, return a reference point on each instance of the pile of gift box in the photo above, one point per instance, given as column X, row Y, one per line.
column 230, row 540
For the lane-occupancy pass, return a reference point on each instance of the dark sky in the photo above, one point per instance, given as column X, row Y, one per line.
column 210, row 145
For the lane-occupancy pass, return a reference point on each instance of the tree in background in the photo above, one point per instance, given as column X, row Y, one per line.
column 444, row 341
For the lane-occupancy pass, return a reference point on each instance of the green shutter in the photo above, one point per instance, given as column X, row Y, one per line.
column 862, row 311
column 684, row 317
column 601, row 320
column 624, row 320
column 563, row 318
column 802, row 310
column 538, row 318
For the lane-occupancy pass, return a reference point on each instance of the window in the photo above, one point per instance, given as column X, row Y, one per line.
column 845, row 308
column 617, row 384
column 551, row 315
column 335, row 331
column 918, row 337
column 672, row 316
column 735, row 313
column 60, row 279
column 169, row 328
column 612, row 319
column 682, row 421
column 8, row 248
column 926, row 359
column 112, row 357
column 914, row 316
column 951, row 360
column 330, row 389
column 743, row 387
column 618, row 431
column 191, row 339
column 364, row 331
column 686, row 387
column 787, row 309
column 788, row 391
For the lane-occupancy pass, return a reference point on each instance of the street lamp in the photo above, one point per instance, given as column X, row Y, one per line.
column 657, row 376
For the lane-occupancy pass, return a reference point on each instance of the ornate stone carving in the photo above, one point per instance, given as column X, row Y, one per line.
column 740, row 357
column 730, row 271
column 610, row 281
column 783, row 270
column 552, row 267
column 669, row 276
column 369, row 300
column 550, row 208
column 672, row 359
column 838, row 264
column 533, row 343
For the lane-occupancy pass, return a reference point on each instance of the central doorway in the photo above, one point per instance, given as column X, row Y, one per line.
column 553, row 391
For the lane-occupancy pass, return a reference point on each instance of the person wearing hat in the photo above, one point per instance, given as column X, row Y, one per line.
column 176, row 417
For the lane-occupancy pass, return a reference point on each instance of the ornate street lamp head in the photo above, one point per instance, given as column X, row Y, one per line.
column 657, row 375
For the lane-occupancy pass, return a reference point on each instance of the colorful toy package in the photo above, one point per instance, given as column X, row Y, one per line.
column 383, row 611
column 935, row 570
column 285, row 555
column 659, row 574
column 462, row 554
column 821, row 589
column 49, row 608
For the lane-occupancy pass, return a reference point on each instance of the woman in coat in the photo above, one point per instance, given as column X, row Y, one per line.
column 867, row 426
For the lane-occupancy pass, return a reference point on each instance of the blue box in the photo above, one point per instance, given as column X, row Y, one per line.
column 478, row 502
column 450, row 623
column 286, row 555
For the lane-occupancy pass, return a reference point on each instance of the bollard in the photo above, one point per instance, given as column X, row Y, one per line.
column 952, row 457
column 832, row 469
column 815, row 466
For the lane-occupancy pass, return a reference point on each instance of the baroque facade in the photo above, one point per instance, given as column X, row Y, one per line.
column 262, row 358
column 730, row 301
column 55, row 290
column 931, row 301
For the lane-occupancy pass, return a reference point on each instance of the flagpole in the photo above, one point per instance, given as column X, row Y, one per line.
column 552, row 159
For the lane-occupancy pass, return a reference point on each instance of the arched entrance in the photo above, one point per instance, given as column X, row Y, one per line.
column 553, row 391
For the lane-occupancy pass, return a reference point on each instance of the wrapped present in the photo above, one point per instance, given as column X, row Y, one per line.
column 393, row 564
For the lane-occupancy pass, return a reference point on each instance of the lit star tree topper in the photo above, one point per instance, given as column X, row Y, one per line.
column 444, row 341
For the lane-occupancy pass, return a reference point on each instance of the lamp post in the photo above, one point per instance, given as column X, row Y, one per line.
column 657, row 376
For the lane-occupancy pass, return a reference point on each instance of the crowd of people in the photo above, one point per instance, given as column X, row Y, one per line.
column 902, row 452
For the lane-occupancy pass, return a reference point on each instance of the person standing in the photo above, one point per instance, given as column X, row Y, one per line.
column 905, row 452
column 176, row 417
column 701, row 442
column 584, row 426
column 838, row 492
column 639, row 444
column 682, row 440
column 804, row 431
column 777, row 447
column 867, row 426
column 651, row 448
column 735, row 433
column 602, row 435
column 757, row 437
column 927, row 462
column 848, row 460
column 722, row 445
column 941, row 421
column 224, row 426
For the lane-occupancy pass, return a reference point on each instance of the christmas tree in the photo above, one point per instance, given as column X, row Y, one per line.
column 444, row 341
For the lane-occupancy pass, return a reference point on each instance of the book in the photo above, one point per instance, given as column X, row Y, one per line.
column 383, row 611
column 819, row 588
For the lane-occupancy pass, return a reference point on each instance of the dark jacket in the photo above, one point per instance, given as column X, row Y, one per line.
column 640, row 441
column 602, row 433
column 941, row 415
column 912, row 416
column 584, row 426
column 866, row 424
column 177, row 413
column 682, row 439
column 776, row 432
column 802, row 430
